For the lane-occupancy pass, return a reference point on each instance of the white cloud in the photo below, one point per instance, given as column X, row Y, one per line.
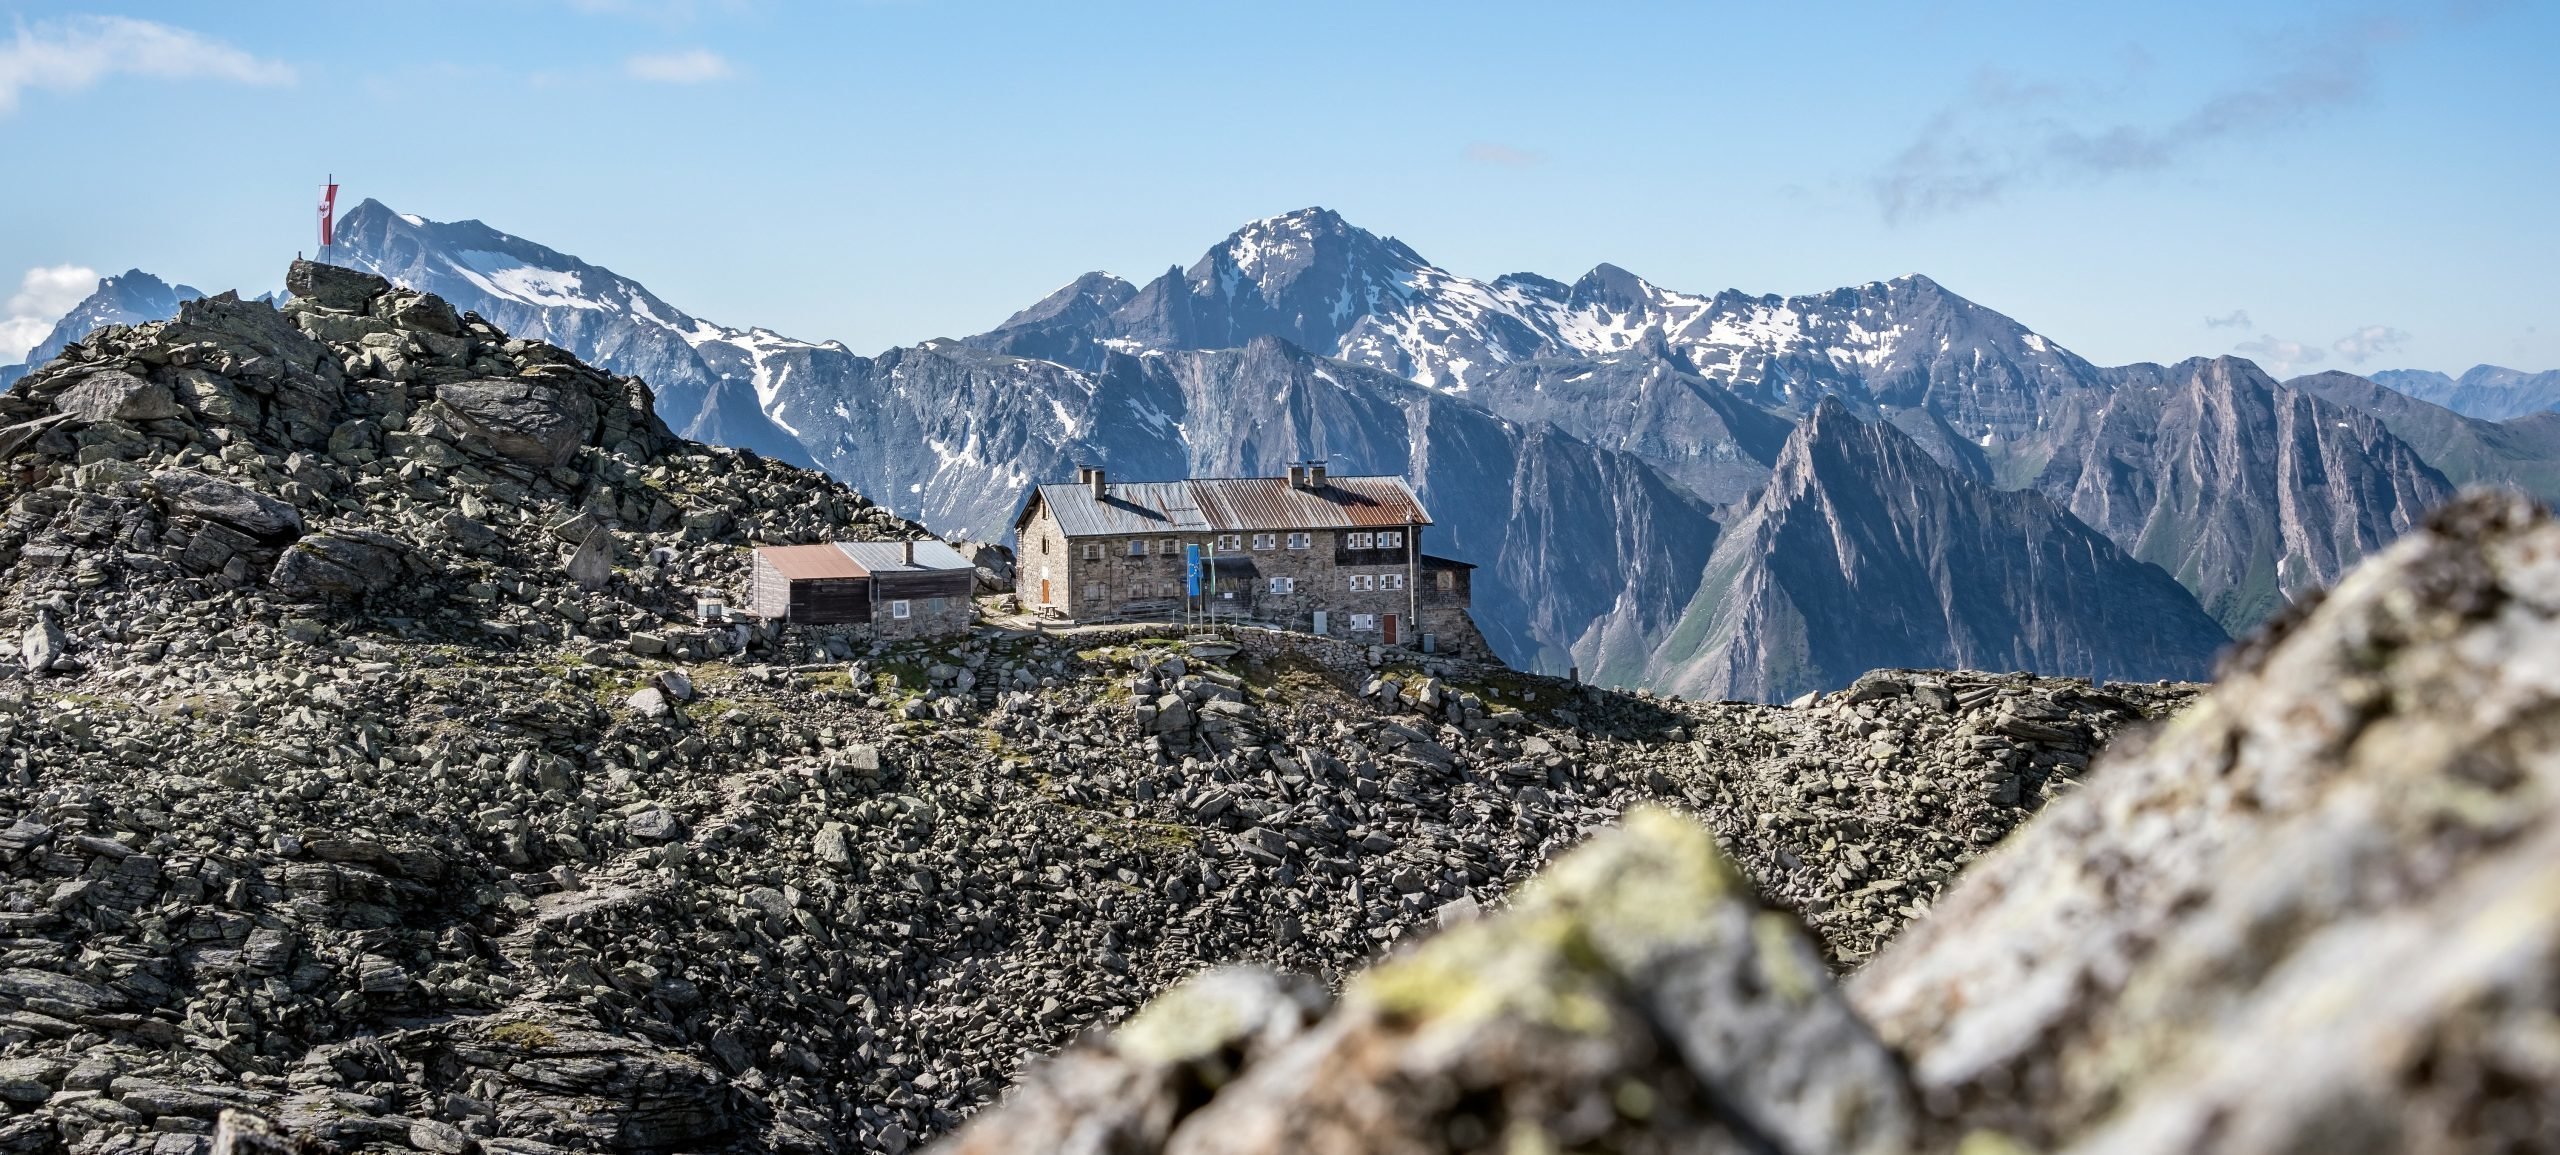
column 43, row 296
column 2008, row 131
column 2235, row 319
column 697, row 66
column 1502, row 155
column 2279, row 356
column 73, row 54
column 2368, row 343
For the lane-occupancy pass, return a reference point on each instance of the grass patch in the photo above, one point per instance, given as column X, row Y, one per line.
column 530, row 1036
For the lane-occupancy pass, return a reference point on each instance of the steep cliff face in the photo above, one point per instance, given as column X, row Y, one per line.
column 1865, row 552
column 1648, row 400
column 2521, row 451
column 2249, row 492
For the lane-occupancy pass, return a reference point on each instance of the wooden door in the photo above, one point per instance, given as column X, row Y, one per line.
column 1388, row 623
column 1044, row 591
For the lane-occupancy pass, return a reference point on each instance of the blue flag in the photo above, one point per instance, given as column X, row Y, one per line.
column 1191, row 567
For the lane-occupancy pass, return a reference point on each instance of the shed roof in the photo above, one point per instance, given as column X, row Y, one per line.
column 808, row 562
column 1232, row 505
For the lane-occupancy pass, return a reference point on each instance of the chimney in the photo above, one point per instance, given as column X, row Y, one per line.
column 1297, row 476
column 1315, row 475
column 1095, row 477
column 910, row 543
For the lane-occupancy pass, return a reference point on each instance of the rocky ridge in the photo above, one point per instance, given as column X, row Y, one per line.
column 1864, row 551
column 369, row 772
column 2314, row 912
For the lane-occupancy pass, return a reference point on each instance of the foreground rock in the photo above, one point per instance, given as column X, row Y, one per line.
column 2321, row 912
column 2318, row 912
column 1635, row 998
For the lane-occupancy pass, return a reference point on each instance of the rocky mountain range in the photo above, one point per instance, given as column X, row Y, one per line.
column 1863, row 552
column 1586, row 442
column 2488, row 392
column 129, row 299
column 708, row 378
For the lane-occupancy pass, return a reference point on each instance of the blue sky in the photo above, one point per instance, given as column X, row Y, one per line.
column 2315, row 185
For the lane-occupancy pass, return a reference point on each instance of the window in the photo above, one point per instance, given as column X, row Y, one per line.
column 1044, row 546
column 1361, row 581
column 1359, row 541
column 1265, row 540
column 1390, row 581
column 1137, row 547
column 1284, row 585
column 1102, row 593
column 1448, row 579
column 1168, row 590
column 1093, row 551
column 900, row 609
column 1301, row 540
column 1169, row 547
column 1392, row 539
column 1364, row 621
column 1230, row 542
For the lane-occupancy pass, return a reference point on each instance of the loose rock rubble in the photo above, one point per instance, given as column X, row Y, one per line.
column 369, row 774
column 2316, row 912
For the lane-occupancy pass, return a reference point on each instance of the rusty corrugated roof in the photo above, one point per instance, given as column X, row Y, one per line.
column 1232, row 505
column 805, row 562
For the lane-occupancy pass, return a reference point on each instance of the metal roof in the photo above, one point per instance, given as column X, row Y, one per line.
column 858, row 559
column 890, row 556
column 808, row 562
column 1232, row 505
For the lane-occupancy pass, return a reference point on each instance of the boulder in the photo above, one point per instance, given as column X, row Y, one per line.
column 425, row 312
column 43, row 645
column 533, row 422
column 591, row 564
column 113, row 395
column 191, row 494
column 333, row 287
column 338, row 565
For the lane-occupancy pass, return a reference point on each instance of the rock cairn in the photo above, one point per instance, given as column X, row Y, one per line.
column 2316, row 912
column 370, row 785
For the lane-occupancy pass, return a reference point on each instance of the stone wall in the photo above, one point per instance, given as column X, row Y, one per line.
column 927, row 617
column 1100, row 588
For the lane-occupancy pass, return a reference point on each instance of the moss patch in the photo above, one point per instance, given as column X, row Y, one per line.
column 530, row 1036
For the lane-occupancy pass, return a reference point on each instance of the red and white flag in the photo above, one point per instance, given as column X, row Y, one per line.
column 329, row 214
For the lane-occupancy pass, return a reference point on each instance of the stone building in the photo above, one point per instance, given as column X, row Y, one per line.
column 1309, row 551
column 882, row 589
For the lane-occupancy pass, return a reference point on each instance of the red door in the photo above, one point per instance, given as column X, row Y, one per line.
column 1390, row 624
